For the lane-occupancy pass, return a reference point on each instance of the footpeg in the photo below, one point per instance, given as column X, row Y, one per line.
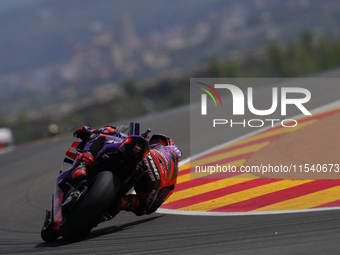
column 74, row 196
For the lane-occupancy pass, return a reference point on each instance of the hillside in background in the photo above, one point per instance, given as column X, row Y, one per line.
column 37, row 34
column 65, row 60
column 108, row 103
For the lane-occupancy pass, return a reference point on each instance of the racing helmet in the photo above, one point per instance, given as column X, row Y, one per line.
column 159, row 139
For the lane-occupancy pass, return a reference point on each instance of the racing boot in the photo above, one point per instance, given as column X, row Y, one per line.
column 74, row 182
column 85, row 161
column 127, row 203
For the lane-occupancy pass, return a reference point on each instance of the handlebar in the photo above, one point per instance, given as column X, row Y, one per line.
column 145, row 134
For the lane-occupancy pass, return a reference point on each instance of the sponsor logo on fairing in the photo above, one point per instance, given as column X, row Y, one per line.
column 125, row 141
column 152, row 176
column 137, row 148
column 154, row 167
column 111, row 141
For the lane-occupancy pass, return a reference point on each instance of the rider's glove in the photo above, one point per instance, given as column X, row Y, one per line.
column 151, row 210
column 82, row 133
column 139, row 211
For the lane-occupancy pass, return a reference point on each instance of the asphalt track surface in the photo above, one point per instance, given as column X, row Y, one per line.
column 26, row 185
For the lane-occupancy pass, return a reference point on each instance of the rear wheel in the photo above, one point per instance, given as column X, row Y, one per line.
column 79, row 222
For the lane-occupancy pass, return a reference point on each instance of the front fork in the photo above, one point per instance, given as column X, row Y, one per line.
column 49, row 216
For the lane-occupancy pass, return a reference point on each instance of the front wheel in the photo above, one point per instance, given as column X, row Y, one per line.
column 48, row 234
column 79, row 222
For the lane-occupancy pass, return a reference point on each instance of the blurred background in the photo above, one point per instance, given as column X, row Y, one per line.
column 69, row 63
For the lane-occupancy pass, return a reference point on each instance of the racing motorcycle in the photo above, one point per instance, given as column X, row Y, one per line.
column 75, row 210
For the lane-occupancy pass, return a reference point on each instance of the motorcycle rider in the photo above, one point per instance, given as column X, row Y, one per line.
column 152, row 189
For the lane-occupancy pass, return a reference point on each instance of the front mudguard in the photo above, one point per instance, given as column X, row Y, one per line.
column 48, row 232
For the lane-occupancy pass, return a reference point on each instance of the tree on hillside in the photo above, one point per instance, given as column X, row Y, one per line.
column 130, row 87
